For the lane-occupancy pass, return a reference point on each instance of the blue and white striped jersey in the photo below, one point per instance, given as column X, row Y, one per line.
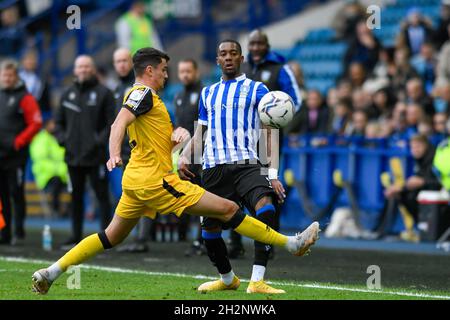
column 230, row 111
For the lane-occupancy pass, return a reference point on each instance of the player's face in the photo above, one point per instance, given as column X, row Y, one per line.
column 8, row 78
column 187, row 73
column 229, row 58
column 123, row 64
column 84, row 69
column 161, row 74
column 258, row 47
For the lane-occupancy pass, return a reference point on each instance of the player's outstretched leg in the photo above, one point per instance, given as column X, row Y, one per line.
column 117, row 231
column 229, row 212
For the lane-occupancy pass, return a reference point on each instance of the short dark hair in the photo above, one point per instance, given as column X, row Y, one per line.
column 420, row 138
column 190, row 60
column 232, row 41
column 145, row 57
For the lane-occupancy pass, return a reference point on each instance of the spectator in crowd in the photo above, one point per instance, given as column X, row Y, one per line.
column 344, row 89
column 19, row 122
column 416, row 30
column 186, row 115
column 441, row 98
column 332, row 98
column 342, row 115
column 83, row 122
column 298, row 74
column 384, row 64
column 415, row 93
column 361, row 100
column 347, row 18
column 13, row 35
column 440, row 121
column 364, row 48
column 422, row 178
column 414, row 114
column 441, row 163
column 135, row 30
column 373, row 130
column 398, row 125
column 48, row 166
column 36, row 85
column 269, row 67
column 425, row 127
column 401, row 72
column 443, row 66
column 440, row 34
column 123, row 66
column 312, row 119
column 383, row 103
column 357, row 128
column 425, row 64
column 356, row 75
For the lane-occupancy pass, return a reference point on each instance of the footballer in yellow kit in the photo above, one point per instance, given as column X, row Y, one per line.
column 149, row 183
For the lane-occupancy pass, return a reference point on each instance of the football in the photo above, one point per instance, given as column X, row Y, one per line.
column 276, row 109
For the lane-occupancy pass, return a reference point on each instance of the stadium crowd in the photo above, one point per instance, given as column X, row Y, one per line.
column 396, row 93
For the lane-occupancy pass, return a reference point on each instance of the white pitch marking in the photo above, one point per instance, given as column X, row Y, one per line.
column 183, row 275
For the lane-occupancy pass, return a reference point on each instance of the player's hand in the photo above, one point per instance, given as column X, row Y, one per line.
column 183, row 169
column 113, row 162
column 180, row 135
column 414, row 183
column 279, row 190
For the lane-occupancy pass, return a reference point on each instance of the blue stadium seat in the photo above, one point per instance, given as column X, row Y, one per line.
column 320, row 35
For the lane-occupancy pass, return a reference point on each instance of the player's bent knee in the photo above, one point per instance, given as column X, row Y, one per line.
column 264, row 201
column 104, row 240
column 230, row 208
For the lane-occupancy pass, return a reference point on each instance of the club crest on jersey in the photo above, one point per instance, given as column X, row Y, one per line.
column 193, row 98
column 244, row 90
column 11, row 101
column 72, row 96
column 92, row 98
column 265, row 75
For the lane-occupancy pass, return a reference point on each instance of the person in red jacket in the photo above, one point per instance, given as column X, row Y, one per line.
column 19, row 122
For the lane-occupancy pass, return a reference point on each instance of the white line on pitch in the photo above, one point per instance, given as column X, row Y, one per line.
column 183, row 275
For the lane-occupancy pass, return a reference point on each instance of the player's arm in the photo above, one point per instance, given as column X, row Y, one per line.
column 273, row 153
column 118, row 129
column 273, row 150
column 195, row 145
column 137, row 102
column 192, row 153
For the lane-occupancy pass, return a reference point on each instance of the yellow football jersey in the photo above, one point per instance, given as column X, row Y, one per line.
column 150, row 139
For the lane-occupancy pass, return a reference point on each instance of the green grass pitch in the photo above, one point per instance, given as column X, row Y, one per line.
column 109, row 283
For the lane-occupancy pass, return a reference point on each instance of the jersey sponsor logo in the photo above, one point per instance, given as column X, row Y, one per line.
column 265, row 75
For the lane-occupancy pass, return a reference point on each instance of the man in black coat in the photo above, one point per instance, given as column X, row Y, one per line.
column 83, row 122
column 186, row 114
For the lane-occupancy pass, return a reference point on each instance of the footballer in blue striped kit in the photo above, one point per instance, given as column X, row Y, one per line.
column 228, row 113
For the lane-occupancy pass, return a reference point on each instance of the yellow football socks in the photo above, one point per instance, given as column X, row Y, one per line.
column 86, row 249
column 255, row 229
